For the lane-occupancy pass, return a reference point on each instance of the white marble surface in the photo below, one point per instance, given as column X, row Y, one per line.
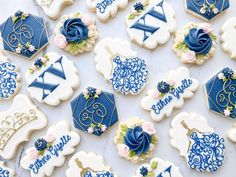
column 159, row 61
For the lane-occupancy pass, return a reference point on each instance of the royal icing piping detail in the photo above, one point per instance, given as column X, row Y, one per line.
column 5, row 171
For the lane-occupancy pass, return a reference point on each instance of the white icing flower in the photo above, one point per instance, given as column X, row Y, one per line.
column 33, row 153
column 202, row 10
column 60, row 41
column 171, row 82
column 190, row 57
column 85, row 92
column 104, row 128
column 149, row 128
column 86, row 19
column 18, row 50
column 206, row 27
column 90, row 130
column 26, row 14
column 227, row 112
column 221, row 76
column 31, row 48
column 215, row 10
column 98, row 92
column 50, row 138
column 123, row 150
column 154, row 94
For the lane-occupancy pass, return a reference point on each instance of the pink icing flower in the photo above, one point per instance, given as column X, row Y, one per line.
column 154, row 94
column 60, row 41
column 90, row 130
column 123, row 150
column 171, row 82
column 206, row 27
column 18, row 50
column 86, row 19
column 104, row 128
column 31, row 48
column 49, row 138
column 149, row 128
column 33, row 153
column 26, row 14
column 190, row 57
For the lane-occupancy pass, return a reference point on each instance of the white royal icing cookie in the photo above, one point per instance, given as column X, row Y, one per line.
column 84, row 164
column 196, row 141
column 53, row 8
column 5, row 171
column 231, row 134
column 228, row 39
column 52, row 79
column 50, row 150
column 119, row 65
column 17, row 123
column 169, row 94
column 106, row 8
column 151, row 23
column 159, row 168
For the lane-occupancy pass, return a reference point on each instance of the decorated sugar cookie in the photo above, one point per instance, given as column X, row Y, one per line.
column 151, row 23
column 231, row 134
column 195, row 43
column 202, row 148
column 50, row 151
column 17, row 123
column 169, row 94
column 119, row 65
column 9, row 78
column 52, row 79
column 75, row 33
column 227, row 39
column 135, row 139
column 206, row 9
column 5, row 171
column 106, row 9
column 94, row 111
column 24, row 34
column 53, row 8
column 159, row 168
column 84, row 164
column 220, row 92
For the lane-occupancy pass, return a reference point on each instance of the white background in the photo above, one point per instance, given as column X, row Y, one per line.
column 159, row 61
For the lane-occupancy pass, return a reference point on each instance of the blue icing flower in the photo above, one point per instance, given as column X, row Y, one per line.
column 74, row 30
column 26, row 52
column 91, row 92
column 137, row 140
column 206, row 152
column 38, row 63
column 41, row 144
column 4, row 173
column 198, row 41
column 163, row 87
column 228, row 73
column 97, row 131
column 138, row 6
column 143, row 171
column 18, row 14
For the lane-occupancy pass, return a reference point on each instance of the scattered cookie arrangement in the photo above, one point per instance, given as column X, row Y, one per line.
column 53, row 78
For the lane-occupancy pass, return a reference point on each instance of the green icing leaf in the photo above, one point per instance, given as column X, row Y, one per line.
column 131, row 17
column 154, row 139
column 74, row 47
column 151, row 174
column 132, row 153
column 213, row 36
column 154, row 165
column 181, row 46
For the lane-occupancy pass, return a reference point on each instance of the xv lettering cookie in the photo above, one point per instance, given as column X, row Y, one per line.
column 206, row 9
column 231, row 134
column 202, row 148
column 53, row 8
column 50, row 151
column 106, row 8
column 135, row 140
column 159, row 168
column 5, row 171
column 24, row 34
column 84, row 164
column 94, row 111
column 52, row 79
column 150, row 23
column 17, row 123
column 220, row 92
column 9, row 78
column 76, row 33
column 169, row 94
column 119, row 65
column 195, row 43
column 227, row 38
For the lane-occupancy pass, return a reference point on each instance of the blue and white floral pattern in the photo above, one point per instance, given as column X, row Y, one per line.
column 4, row 173
column 206, row 152
column 129, row 76
column 98, row 174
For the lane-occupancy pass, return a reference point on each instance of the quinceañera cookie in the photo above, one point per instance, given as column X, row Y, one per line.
column 53, row 8
column 52, row 79
column 220, row 92
column 5, row 171
column 84, row 164
column 9, row 78
column 24, row 34
column 159, row 168
column 150, row 23
column 197, row 143
column 169, row 94
column 232, row 134
column 106, row 8
column 76, row 33
column 17, row 123
column 195, row 43
column 119, row 65
column 135, row 139
column 50, row 151
column 94, row 111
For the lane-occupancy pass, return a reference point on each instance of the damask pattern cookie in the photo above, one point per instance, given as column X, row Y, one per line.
column 220, row 92
column 5, row 171
column 94, row 111
column 24, row 34
column 17, row 123
column 53, row 8
column 119, row 65
column 151, row 23
column 84, row 164
column 75, row 33
column 106, row 9
column 202, row 148
column 159, row 168
column 231, row 134
column 9, row 78
column 227, row 38
column 50, row 150
column 169, row 94
column 195, row 43
column 136, row 139
column 52, row 79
